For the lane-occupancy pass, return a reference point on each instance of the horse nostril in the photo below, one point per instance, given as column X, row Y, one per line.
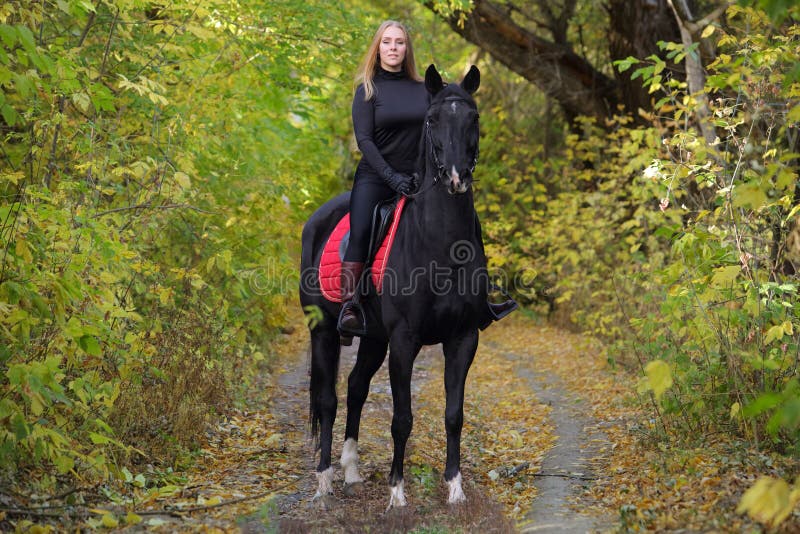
column 455, row 179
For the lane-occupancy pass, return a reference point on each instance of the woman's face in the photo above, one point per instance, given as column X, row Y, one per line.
column 392, row 50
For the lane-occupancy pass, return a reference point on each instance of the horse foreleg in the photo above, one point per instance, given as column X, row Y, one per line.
column 401, row 363
column 371, row 354
column 324, row 368
column 458, row 356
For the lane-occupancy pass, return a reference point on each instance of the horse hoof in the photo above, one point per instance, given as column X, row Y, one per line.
column 323, row 503
column 353, row 489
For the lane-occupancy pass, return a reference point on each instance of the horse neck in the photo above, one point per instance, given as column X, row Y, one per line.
column 441, row 216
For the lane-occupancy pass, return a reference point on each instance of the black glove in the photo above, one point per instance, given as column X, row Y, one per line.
column 401, row 183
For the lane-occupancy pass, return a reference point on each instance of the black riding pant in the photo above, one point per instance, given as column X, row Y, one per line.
column 368, row 191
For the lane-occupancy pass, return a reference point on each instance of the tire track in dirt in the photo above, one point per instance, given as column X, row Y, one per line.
column 568, row 465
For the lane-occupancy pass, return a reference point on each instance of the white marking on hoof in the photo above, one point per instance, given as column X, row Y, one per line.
column 350, row 462
column 456, row 493
column 324, row 483
column 397, row 497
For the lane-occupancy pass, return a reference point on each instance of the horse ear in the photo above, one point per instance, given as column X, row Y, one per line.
column 433, row 80
column 472, row 80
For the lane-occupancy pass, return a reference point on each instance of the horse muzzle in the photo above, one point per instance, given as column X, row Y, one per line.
column 455, row 183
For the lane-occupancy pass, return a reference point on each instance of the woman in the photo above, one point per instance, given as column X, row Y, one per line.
column 389, row 109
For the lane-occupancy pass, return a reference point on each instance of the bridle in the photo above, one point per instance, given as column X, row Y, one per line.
column 441, row 171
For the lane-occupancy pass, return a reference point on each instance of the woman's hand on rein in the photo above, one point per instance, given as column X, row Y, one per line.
column 402, row 183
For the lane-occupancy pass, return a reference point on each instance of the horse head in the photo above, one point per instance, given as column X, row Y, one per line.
column 451, row 129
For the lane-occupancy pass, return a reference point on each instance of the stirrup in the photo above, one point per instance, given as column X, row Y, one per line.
column 499, row 310
column 502, row 309
column 345, row 331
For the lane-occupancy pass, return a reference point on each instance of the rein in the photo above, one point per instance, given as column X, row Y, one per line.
column 440, row 169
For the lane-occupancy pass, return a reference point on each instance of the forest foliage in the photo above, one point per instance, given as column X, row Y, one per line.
column 158, row 159
column 156, row 162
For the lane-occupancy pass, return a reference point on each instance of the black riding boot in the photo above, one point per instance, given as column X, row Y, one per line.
column 349, row 318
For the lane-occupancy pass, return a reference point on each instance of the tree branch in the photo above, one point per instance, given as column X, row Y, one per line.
column 554, row 68
column 149, row 206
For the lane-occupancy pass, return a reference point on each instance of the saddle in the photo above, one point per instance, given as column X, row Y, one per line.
column 385, row 219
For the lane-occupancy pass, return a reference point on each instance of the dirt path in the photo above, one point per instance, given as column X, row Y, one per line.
column 366, row 511
column 570, row 465
column 556, row 478
column 526, row 455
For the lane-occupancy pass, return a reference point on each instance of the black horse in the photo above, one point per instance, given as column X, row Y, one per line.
column 437, row 294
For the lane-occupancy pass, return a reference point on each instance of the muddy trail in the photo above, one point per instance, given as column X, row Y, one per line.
column 528, row 455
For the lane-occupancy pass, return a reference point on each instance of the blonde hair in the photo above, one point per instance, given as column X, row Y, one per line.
column 366, row 71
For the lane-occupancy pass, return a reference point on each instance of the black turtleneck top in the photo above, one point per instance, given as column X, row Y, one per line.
column 389, row 125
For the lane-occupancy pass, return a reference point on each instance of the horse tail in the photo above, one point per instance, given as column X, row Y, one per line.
column 324, row 369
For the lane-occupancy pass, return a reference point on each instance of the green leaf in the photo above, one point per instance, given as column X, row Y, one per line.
column 724, row 276
column 764, row 402
column 126, row 475
column 749, row 195
column 9, row 35
column 90, row 345
column 99, row 439
column 625, row 64
column 26, row 39
column 794, row 114
column 20, row 427
column 64, row 464
column 9, row 114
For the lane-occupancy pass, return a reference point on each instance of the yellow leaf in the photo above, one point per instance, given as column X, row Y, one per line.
column 659, row 377
column 23, row 251
column 109, row 521
column 768, row 501
column 36, row 405
column 165, row 295
column 776, row 332
column 183, row 180
column 273, row 439
column 132, row 519
column 735, row 407
column 788, row 329
column 794, row 114
column 708, row 31
column 516, row 439
column 724, row 276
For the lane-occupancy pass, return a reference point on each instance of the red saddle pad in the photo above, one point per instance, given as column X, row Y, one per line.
column 330, row 264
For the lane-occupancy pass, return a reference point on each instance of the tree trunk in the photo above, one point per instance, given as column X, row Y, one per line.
column 560, row 73
column 635, row 27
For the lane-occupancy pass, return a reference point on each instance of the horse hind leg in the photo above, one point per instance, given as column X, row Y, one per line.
column 458, row 356
column 371, row 353
column 323, row 404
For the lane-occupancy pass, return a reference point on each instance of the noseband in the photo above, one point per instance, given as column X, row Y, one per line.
column 440, row 169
